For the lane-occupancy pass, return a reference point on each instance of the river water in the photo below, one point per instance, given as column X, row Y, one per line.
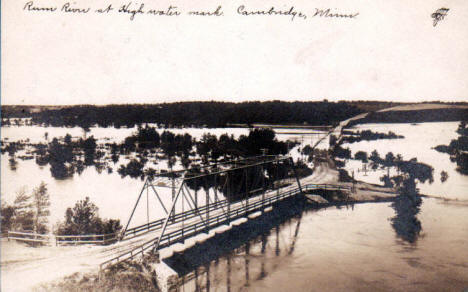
column 364, row 247
column 348, row 249
column 403, row 246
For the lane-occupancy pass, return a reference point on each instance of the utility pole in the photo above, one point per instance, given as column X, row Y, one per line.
column 354, row 184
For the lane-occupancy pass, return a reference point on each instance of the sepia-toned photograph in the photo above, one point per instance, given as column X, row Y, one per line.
column 236, row 145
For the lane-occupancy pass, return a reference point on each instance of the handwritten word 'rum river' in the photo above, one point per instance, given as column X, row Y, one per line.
column 134, row 9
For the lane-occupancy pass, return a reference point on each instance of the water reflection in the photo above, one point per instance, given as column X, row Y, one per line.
column 237, row 258
column 13, row 163
column 321, row 250
column 406, row 225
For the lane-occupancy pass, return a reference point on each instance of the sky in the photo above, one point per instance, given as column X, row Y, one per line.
column 390, row 51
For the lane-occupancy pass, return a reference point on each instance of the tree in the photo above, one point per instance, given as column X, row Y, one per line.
column 375, row 156
column 307, row 150
column 41, row 204
column 84, row 219
column 148, row 137
column 185, row 160
column 389, row 159
column 89, row 146
column 79, row 220
column 361, row 155
column 168, row 143
column 68, row 139
column 443, row 176
column 398, row 161
column 7, row 214
column 58, row 155
column 23, row 218
column 462, row 129
column 387, row 181
column 375, row 159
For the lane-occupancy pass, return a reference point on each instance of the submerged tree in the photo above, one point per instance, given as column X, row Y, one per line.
column 458, row 149
column 361, row 155
column 443, row 176
column 59, row 157
column 89, row 146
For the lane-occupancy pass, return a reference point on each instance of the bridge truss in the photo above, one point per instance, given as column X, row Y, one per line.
column 204, row 197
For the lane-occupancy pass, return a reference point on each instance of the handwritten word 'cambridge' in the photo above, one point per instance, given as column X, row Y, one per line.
column 325, row 13
column 272, row 11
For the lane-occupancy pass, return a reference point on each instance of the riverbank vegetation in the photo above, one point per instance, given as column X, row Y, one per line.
column 126, row 276
column 458, row 148
column 29, row 212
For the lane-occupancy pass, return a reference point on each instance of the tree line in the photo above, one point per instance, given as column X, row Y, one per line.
column 184, row 148
column 180, row 114
column 67, row 156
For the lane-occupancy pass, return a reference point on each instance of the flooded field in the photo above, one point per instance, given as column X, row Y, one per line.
column 114, row 195
column 419, row 141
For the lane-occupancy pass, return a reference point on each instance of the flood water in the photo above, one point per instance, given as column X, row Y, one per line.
column 115, row 196
column 418, row 143
column 365, row 247
column 348, row 249
column 402, row 246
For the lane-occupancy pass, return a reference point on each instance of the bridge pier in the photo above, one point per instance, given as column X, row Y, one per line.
column 167, row 278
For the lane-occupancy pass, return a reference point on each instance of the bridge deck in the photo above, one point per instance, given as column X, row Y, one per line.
column 190, row 223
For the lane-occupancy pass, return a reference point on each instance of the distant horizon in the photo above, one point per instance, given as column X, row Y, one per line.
column 242, row 101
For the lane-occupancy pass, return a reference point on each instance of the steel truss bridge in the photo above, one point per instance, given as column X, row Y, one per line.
column 206, row 197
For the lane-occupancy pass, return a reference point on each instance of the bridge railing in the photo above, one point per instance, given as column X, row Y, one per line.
column 194, row 228
column 139, row 250
column 221, row 219
column 29, row 237
column 177, row 218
